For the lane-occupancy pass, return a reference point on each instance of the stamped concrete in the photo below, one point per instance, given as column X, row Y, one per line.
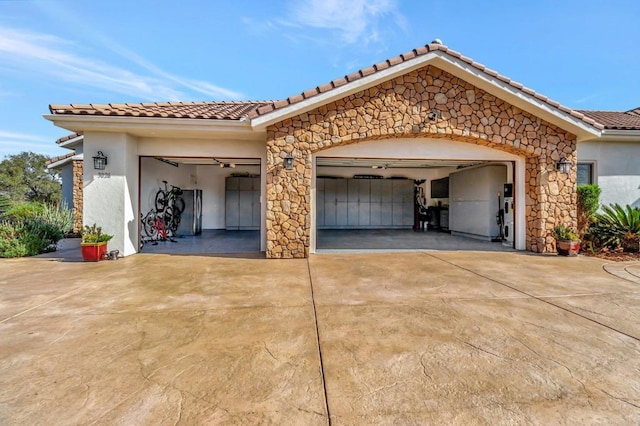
column 404, row 338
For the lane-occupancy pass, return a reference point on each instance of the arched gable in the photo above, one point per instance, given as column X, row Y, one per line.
column 427, row 102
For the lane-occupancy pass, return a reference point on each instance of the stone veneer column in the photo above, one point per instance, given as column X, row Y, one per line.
column 77, row 195
column 400, row 108
column 288, row 198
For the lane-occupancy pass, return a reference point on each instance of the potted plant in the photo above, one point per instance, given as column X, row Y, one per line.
column 94, row 243
column 567, row 241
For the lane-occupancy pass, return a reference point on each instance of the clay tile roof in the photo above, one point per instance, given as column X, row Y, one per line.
column 616, row 120
column 635, row 111
column 237, row 110
column 59, row 158
column 230, row 110
column 266, row 109
column 68, row 137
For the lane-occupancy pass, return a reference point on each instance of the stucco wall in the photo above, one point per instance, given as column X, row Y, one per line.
column 400, row 108
column 111, row 195
column 616, row 169
column 66, row 174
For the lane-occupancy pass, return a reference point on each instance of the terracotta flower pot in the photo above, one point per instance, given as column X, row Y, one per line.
column 93, row 252
column 567, row 247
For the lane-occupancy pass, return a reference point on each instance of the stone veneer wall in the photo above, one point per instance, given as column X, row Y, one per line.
column 77, row 195
column 399, row 108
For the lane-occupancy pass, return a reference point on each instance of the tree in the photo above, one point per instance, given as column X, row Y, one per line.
column 25, row 177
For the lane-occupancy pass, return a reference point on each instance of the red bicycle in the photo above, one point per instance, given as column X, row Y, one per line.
column 153, row 225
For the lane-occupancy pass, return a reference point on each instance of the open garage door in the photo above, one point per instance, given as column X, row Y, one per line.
column 413, row 204
column 199, row 205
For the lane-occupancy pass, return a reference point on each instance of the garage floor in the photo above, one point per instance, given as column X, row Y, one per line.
column 329, row 241
column 395, row 338
column 333, row 241
column 211, row 241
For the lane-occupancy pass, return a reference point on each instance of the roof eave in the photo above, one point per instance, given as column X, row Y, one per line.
column 621, row 135
column 72, row 143
column 459, row 68
column 155, row 126
column 64, row 161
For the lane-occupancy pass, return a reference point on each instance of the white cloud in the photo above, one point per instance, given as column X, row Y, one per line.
column 22, row 137
column 61, row 59
column 356, row 21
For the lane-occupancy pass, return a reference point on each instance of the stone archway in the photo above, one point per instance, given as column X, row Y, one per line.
column 403, row 107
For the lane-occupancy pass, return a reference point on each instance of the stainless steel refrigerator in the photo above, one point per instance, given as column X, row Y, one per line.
column 191, row 218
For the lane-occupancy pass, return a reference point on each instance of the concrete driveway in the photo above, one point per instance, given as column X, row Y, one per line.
column 404, row 338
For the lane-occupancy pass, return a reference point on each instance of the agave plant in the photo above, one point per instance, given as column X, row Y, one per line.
column 616, row 225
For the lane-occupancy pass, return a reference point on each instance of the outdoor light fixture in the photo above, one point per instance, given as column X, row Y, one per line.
column 99, row 161
column 563, row 165
column 288, row 162
column 228, row 165
column 433, row 115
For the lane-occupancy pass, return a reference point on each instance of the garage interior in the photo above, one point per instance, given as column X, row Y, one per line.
column 413, row 204
column 222, row 211
column 361, row 204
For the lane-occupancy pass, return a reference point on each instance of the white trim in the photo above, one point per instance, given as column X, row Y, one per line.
column 621, row 135
column 71, row 143
column 155, row 126
column 456, row 67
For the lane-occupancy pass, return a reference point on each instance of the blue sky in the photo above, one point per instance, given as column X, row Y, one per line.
column 583, row 54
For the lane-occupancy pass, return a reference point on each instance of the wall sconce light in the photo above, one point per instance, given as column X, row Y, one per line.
column 563, row 165
column 99, row 161
column 288, row 162
column 433, row 115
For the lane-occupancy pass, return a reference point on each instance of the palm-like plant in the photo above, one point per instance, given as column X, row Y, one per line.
column 616, row 226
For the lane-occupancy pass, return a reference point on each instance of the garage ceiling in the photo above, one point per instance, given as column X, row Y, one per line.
column 374, row 163
column 394, row 163
column 212, row 161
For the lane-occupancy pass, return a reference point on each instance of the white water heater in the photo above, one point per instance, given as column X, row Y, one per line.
column 509, row 226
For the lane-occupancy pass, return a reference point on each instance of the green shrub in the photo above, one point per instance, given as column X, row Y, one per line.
column 11, row 244
column 58, row 215
column 24, row 211
column 5, row 203
column 564, row 233
column 94, row 234
column 614, row 225
column 588, row 204
column 32, row 228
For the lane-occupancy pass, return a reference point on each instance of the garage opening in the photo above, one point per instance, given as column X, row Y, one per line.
column 414, row 204
column 200, row 205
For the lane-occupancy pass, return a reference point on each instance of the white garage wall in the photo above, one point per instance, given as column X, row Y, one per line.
column 211, row 179
column 152, row 175
column 473, row 201
column 616, row 169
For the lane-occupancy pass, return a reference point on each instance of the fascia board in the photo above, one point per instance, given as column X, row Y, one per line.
column 64, row 161
column 621, row 135
column 84, row 123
